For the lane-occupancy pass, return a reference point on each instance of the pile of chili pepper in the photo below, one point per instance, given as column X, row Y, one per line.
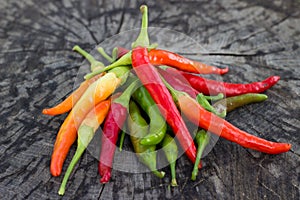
column 146, row 89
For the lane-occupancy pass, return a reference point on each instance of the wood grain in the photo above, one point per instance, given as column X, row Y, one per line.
column 38, row 69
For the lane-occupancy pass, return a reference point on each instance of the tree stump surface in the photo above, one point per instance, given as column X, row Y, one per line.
column 38, row 69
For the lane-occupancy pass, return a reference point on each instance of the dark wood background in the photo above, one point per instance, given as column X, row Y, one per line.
column 38, row 69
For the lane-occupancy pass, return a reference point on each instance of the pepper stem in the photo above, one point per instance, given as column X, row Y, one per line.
column 173, row 174
column 202, row 138
column 214, row 98
column 122, row 140
column 94, row 63
column 159, row 174
column 143, row 38
column 104, row 54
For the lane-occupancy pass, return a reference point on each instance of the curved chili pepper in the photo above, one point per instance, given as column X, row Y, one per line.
column 96, row 92
column 219, row 126
column 163, row 57
column 170, row 149
column 138, row 128
column 212, row 87
column 160, row 94
column 71, row 100
column 231, row 103
column 86, row 133
column 157, row 125
column 112, row 126
column 202, row 139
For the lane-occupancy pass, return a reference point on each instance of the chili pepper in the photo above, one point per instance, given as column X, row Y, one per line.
column 86, row 133
column 71, row 100
column 170, row 149
column 163, row 57
column 96, row 92
column 202, row 139
column 212, row 87
column 160, row 94
column 219, row 126
column 231, row 103
column 138, row 129
column 157, row 125
column 112, row 125
column 94, row 63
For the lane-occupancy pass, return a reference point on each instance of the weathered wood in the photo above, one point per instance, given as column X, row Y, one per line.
column 255, row 39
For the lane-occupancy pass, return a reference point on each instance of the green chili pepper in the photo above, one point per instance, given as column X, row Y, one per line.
column 206, row 105
column 171, row 151
column 158, row 126
column 94, row 63
column 138, row 129
column 202, row 139
column 231, row 103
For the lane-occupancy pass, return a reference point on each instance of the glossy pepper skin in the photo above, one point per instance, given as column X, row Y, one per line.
column 212, row 87
column 109, row 139
column 217, row 125
column 157, row 125
column 114, row 122
column 163, row 57
column 160, row 94
column 138, row 129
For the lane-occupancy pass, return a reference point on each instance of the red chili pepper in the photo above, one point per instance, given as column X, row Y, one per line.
column 163, row 57
column 213, row 87
column 114, row 122
column 160, row 94
column 217, row 125
column 109, row 138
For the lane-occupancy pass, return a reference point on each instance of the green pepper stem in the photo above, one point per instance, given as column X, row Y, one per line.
column 159, row 174
column 202, row 138
column 143, row 38
column 114, row 54
column 122, row 140
column 173, row 174
column 104, row 54
column 94, row 63
column 124, row 60
column 214, row 98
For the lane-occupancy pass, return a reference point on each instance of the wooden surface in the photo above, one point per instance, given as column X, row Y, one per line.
column 38, row 68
